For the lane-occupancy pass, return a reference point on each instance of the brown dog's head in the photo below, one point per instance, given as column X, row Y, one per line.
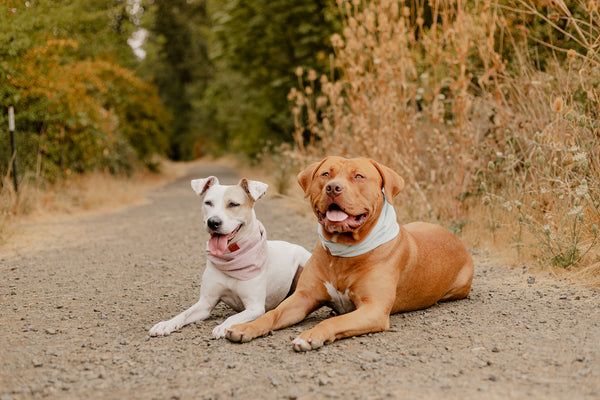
column 346, row 195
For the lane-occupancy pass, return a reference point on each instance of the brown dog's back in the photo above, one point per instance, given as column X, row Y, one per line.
column 449, row 265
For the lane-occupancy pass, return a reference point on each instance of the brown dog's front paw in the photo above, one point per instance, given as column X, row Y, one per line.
column 307, row 341
column 241, row 333
column 306, row 345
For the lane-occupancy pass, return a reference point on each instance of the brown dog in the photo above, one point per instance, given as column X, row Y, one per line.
column 366, row 265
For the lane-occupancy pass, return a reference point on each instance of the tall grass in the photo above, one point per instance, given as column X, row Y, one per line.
column 488, row 109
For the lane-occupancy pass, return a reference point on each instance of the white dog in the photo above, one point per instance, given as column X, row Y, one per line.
column 243, row 269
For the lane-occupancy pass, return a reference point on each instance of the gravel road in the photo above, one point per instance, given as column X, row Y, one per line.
column 76, row 303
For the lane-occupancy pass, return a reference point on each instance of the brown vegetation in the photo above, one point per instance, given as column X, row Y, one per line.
column 92, row 192
column 488, row 109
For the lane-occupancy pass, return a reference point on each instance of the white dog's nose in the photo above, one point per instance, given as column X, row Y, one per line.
column 214, row 223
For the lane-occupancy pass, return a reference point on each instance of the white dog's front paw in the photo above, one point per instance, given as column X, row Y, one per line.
column 164, row 328
column 220, row 331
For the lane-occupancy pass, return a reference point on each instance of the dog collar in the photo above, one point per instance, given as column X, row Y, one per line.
column 384, row 230
column 245, row 258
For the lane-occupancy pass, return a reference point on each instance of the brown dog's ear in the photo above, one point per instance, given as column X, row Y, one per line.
column 391, row 181
column 306, row 177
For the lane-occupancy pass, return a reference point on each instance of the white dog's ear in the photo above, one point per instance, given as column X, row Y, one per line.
column 200, row 186
column 254, row 189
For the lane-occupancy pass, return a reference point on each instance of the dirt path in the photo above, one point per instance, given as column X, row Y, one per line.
column 75, row 311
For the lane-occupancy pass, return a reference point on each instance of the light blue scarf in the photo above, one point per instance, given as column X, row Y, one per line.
column 385, row 230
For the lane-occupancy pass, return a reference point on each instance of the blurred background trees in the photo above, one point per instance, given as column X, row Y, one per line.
column 257, row 47
column 67, row 69
column 109, row 84
column 224, row 68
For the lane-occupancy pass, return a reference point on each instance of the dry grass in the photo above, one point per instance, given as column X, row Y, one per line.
column 93, row 192
column 492, row 145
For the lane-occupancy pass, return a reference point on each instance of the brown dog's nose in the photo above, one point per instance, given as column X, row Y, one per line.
column 334, row 188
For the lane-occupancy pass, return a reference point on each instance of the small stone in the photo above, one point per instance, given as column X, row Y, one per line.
column 51, row 331
column 531, row 280
column 323, row 381
column 369, row 356
column 37, row 363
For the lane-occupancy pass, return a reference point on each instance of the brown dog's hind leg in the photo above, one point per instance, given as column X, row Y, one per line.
column 462, row 285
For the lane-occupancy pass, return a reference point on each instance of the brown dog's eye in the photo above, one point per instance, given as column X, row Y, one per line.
column 325, row 174
column 358, row 176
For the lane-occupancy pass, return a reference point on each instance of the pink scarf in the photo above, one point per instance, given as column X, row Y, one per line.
column 243, row 259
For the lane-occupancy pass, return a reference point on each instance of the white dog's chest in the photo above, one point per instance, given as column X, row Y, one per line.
column 233, row 300
column 340, row 301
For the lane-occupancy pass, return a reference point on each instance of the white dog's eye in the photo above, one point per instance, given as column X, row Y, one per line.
column 208, row 203
column 232, row 204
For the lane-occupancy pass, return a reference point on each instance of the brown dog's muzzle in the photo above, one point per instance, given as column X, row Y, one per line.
column 333, row 189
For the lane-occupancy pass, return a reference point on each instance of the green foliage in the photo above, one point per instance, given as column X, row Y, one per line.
column 259, row 45
column 77, row 108
column 546, row 29
column 224, row 68
column 177, row 60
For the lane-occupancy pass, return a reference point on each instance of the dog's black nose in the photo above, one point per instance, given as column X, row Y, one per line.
column 214, row 223
column 334, row 188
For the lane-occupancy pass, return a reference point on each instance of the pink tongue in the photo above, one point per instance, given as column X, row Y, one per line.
column 217, row 244
column 336, row 215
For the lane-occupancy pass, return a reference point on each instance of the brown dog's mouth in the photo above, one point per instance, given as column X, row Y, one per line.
column 335, row 216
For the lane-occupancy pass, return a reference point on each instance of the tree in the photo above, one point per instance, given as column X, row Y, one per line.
column 77, row 107
column 177, row 60
column 258, row 46
column 224, row 68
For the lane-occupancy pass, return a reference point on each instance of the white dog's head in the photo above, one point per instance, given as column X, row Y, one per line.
column 227, row 210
